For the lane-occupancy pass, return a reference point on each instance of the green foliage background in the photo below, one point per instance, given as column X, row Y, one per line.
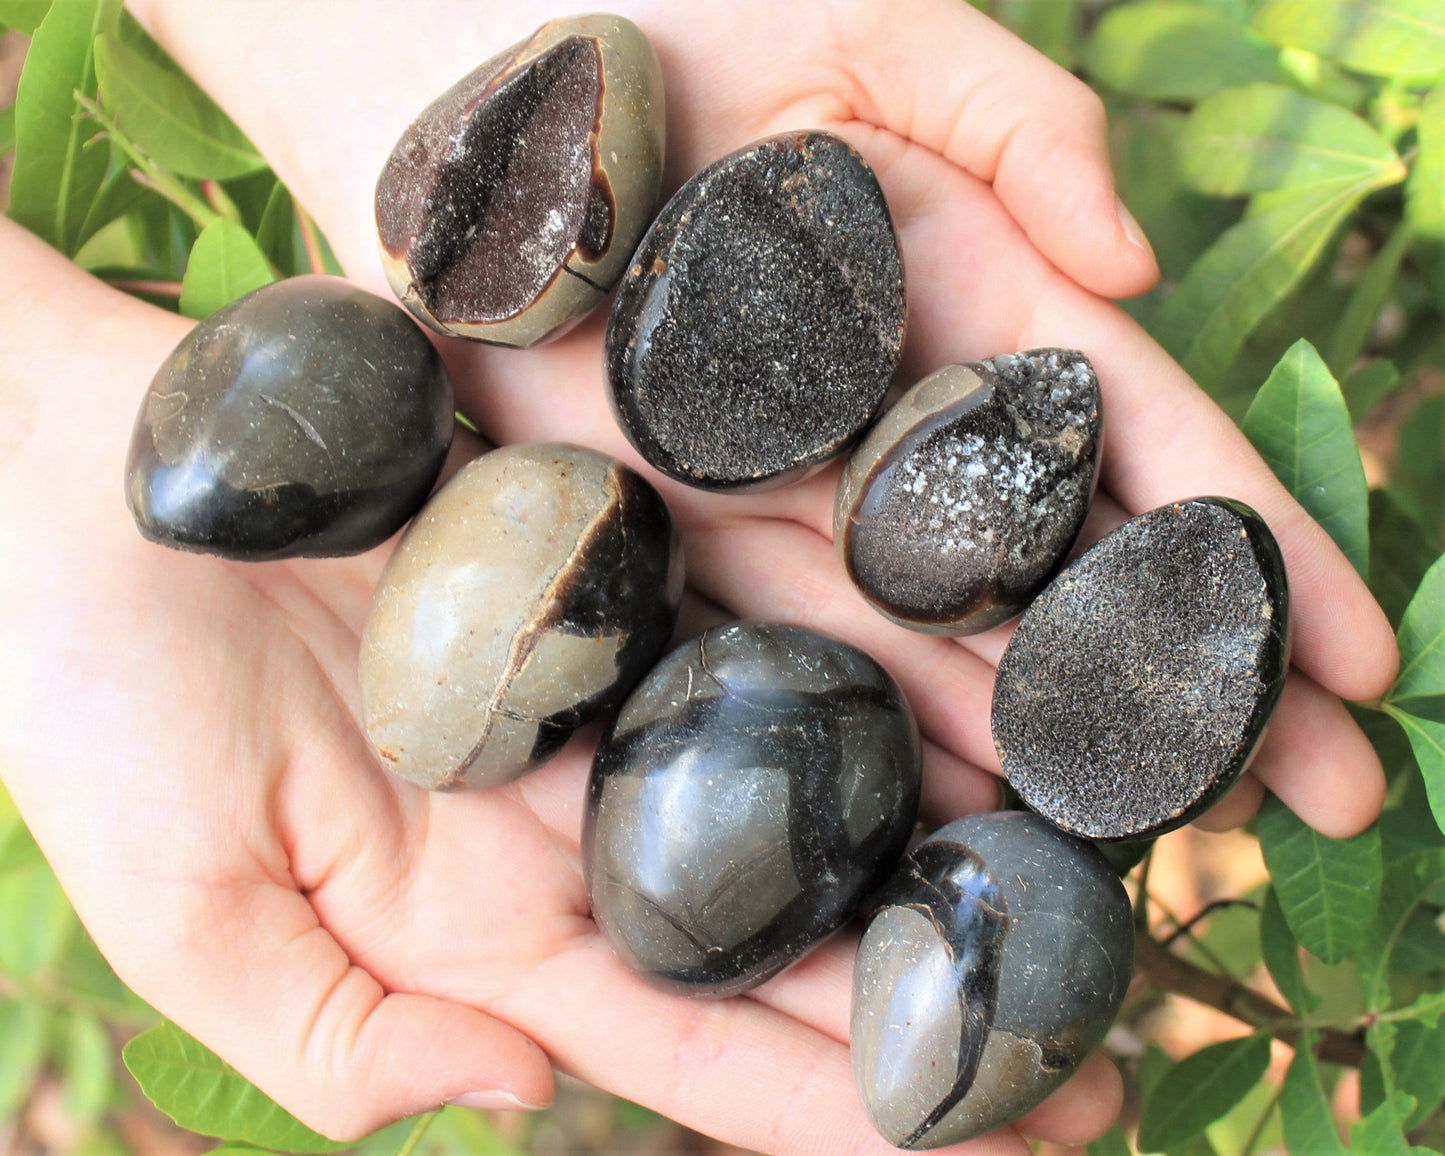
column 1287, row 159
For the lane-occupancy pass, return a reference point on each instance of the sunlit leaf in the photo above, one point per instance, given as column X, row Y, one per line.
column 225, row 264
column 1267, row 136
column 24, row 1036
column 1301, row 427
column 1308, row 1123
column 87, row 1067
column 56, row 176
column 1175, row 50
column 1199, row 1089
column 1379, row 37
column 1328, row 889
column 23, row 15
column 7, row 129
column 203, row 1093
column 36, row 920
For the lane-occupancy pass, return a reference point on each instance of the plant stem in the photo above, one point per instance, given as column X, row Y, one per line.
column 147, row 171
column 1167, row 972
column 418, row 1130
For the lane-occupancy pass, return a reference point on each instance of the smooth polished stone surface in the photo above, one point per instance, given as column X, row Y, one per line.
column 526, row 599
column 966, row 497
column 509, row 208
column 761, row 319
column 308, row 418
column 1139, row 683
column 757, row 784
column 995, row 962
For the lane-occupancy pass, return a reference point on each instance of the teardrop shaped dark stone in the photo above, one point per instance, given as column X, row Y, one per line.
column 309, row 418
column 761, row 320
column 1137, row 686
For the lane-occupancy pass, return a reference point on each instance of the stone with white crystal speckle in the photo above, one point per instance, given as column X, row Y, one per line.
column 963, row 501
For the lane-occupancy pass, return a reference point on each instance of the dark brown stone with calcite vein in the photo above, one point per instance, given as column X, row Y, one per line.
column 526, row 599
column 965, row 498
column 510, row 206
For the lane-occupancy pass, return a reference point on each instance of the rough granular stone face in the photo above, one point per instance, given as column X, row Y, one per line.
column 965, row 498
column 1138, row 684
column 509, row 207
column 761, row 320
column 995, row 962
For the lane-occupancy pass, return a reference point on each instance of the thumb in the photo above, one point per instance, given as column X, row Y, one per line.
column 279, row 1000
column 946, row 76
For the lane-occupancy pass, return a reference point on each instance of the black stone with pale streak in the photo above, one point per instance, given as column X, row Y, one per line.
column 761, row 320
column 964, row 500
column 995, row 962
column 308, row 418
column 1139, row 683
column 753, row 789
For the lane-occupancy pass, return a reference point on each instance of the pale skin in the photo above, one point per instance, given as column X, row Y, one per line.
column 181, row 733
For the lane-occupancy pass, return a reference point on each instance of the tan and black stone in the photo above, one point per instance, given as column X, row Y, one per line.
column 757, row 785
column 1138, row 685
column 995, row 961
column 526, row 599
column 508, row 209
column 759, row 325
column 309, row 418
column 965, row 498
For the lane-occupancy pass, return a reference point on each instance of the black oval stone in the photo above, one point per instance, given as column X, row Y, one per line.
column 965, row 498
column 761, row 320
column 308, row 418
column 995, row 962
column 757, row 784
column 509, row 207
column 1137, row 686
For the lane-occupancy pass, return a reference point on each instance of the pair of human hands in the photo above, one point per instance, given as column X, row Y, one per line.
column 182, row 735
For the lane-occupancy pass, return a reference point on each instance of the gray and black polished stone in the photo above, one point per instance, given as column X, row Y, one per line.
column 509, row 208
column 754, row 788
column 964, row 499
column 995, row 962
column 760, row 322
column 1137, row 686
column 309, row 418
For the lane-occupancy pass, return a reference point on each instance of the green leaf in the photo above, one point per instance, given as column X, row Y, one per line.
column 1378, row 37
column 1418, row 476
column 7, row 129
column 1308, row 1124
column 1406, row 884
column 1200, row 1089
column 1371, row 293
column 169, row 116
column 56, row 175
column 1401, row 551
column 1247, row 271
column 1368, row 385
column 1422, row 641
column 23, row 16
column 1281, row 955
column 1051, row 26
column 275, row 235
column 1301, row 427
column 1174, row 50
column 87, row 1068
column 1418, row 1060
column 36, row 920
column 1111, row 1143
column 1420, row 950
column 203, row 1093
column 17, row 845
column 1425, row 193
column 1329, row 889
column 1427, row 740
column 24, row 1036
column 1382, row 1132
column 1266, row 136
column 225, row 264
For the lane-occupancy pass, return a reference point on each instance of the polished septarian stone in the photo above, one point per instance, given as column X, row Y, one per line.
column 309, row 418
column 526, row 599
column 509, row 208
column 1137, row 686
column 995, row 962
column 754, row 788
column 966, row 497
column 761, row 320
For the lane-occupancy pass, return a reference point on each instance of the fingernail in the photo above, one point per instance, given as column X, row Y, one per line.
column 1131, row 227
column 493, row 1102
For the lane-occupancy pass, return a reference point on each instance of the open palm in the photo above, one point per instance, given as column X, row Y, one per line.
column 181, row 733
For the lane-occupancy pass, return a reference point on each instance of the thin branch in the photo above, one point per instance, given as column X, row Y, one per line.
column 310, row 241
column 153, row 288
column 1168, row 972
column 1187, row 927
column 418, row 1130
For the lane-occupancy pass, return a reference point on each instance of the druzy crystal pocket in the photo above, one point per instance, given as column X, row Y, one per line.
column 994, row 963
column 757, row 784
